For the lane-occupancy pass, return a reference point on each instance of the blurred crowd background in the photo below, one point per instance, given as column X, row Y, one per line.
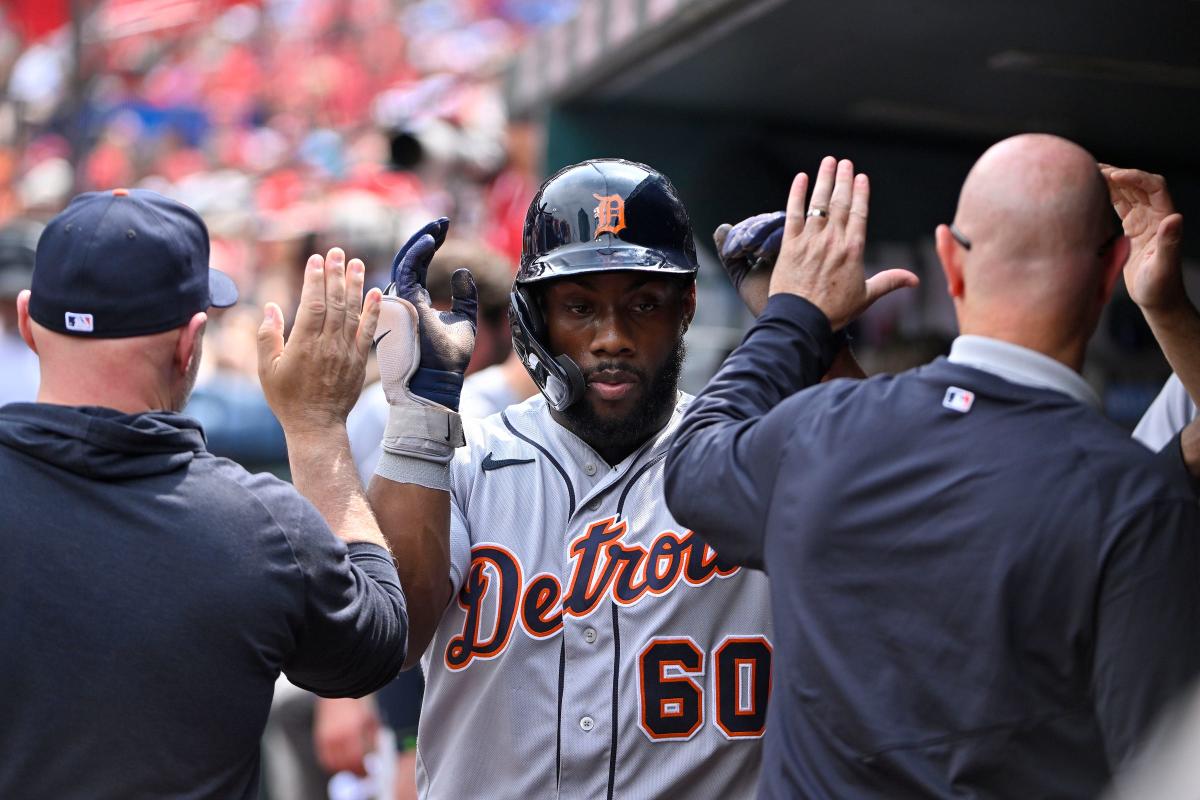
column 295, row 125
column 289, row 125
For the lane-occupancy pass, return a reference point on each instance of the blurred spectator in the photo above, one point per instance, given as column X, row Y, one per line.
column 19, row 364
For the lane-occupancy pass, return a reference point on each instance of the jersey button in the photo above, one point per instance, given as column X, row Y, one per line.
column 590, row 469
column 587, row 723
column 594, row 505
column 589, row 635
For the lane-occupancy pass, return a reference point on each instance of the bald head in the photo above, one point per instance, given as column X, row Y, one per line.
column 1035, row 196
column 1037, row 213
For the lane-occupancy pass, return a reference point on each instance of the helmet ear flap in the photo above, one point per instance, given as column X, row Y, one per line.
column 558, row 378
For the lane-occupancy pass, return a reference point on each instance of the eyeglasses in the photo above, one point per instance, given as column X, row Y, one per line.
column 962, row 239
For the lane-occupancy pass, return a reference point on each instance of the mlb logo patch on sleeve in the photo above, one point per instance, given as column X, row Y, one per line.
column 959, row 400
column 80, row 322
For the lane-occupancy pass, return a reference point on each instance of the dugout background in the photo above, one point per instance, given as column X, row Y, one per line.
column 732, row 97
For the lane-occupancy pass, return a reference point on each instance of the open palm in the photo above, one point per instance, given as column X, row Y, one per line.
column 1153, row 274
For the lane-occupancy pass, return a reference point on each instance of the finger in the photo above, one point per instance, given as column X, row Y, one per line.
column 719, row 237
column 368, row 323
column 310, row 317
column 270, row 339
column 843, row 188
column 414, row 267
column 464, row 297
column 856, row 227
column 1168, row 239
column 823, row 187
column 889, row 281
column 770, row 247
column 436, row 229
column 793, row 223
column 356, row 277
column 356, row 272
column 335, row 290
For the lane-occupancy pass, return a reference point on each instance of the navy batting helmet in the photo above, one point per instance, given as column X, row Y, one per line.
column 603, row 215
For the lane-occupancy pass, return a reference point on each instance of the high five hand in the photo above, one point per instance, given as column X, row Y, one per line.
column 821, row 257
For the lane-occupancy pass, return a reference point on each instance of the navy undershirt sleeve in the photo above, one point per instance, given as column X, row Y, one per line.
column 355, row 627
column 722, row 464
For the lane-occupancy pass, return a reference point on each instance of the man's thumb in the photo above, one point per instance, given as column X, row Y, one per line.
column 1169, row 236
column 270, row 338
column 889, row 281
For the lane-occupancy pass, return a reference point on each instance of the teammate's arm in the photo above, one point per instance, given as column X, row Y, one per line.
column 422, row 354
column 720, row 471
column 354, row 621
column 311, row 385
column 1154, row 271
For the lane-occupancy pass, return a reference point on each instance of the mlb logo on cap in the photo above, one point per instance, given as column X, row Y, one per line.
column 959, row 400
column 82, row 323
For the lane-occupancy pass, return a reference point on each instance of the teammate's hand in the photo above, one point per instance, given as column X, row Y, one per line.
column 1154, row 271
column 447, row 338
column 344, row 732
column 821, row 257
column 313, row 381
column 748, row 251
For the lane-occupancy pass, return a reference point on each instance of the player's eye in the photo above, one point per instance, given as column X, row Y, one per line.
column 577, row 308
column 646, row 303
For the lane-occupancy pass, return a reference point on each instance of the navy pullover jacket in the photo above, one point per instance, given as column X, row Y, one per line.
column 150, row 594
column 985, row 604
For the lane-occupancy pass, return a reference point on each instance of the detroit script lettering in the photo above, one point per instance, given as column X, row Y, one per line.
column 603, row 565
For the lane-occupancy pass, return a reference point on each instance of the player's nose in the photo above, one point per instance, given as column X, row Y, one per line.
column 613, row 335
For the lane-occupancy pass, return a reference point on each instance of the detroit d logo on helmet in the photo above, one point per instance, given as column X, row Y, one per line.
column 609, row 214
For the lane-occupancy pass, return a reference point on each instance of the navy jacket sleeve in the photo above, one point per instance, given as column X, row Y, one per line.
column 1147, row 615
column 721, row 467
column 355, row 623
column 1171, row 456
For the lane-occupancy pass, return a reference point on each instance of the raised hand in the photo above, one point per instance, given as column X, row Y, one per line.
column 1154, row 271
column 821, row 255
column 446, row 338
column 313, row 380
column 748, row 251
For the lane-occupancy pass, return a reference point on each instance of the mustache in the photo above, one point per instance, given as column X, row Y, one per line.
column 614, row 366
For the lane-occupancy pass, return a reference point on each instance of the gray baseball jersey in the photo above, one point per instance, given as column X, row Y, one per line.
column 594, row 648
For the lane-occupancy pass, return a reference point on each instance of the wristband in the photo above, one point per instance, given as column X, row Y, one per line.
column 440, row 386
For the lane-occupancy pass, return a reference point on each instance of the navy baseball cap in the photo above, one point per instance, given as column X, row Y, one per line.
column 126, row 262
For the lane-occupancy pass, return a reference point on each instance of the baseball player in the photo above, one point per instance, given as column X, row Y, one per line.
column 578, row 642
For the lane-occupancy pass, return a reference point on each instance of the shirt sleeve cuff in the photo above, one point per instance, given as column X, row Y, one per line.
column 794, row 312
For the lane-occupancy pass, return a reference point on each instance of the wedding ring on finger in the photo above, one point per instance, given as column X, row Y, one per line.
column 818, row 212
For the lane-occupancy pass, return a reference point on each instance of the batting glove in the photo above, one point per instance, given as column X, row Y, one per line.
column 424, row 352
column 751, row 244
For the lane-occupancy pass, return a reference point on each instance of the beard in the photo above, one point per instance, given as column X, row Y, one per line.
column 627, row 432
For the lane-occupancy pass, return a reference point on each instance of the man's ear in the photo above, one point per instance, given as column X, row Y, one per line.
column 689, row 304
column 24, row 324
column 188, row 346
column 950, row 252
